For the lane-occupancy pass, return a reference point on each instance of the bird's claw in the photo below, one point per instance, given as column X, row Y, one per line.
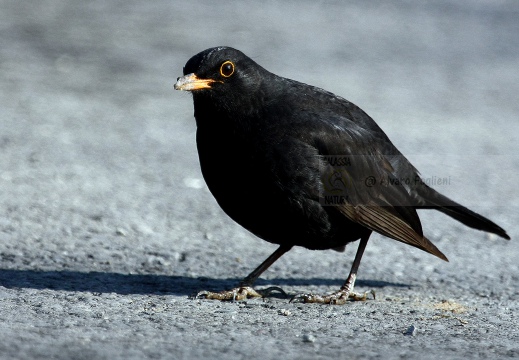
column 239, row 293
column 337, row 298
column 266, row 292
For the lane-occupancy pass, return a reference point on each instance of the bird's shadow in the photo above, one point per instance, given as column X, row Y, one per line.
column 109, row 282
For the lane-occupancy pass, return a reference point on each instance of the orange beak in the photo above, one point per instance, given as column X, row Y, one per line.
column 191, row 82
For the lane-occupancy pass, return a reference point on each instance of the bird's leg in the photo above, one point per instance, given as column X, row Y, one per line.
column 346, row 291
column 244, row 289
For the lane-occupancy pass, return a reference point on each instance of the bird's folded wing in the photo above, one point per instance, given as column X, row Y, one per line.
column 376, row 182
column 387, row 221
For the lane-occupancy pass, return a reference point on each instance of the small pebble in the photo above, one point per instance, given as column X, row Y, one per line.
column 308, row 338
column 284, row 312
column 411, row 331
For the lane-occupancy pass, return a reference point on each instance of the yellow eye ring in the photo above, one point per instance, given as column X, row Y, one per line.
column 227, row 69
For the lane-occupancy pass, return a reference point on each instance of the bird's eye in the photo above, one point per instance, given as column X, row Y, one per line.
column 227, row 69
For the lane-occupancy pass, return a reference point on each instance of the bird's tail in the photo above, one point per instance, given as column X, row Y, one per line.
column 435, row 200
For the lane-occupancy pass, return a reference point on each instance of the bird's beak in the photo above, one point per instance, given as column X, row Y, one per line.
column 191, row 82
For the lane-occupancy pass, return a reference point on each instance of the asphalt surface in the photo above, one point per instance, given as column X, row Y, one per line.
column 106, row 225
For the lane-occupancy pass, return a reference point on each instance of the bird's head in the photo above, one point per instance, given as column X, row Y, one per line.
column 222, row 74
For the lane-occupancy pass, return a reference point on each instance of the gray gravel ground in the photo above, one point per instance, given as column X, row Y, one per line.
column 106, row 226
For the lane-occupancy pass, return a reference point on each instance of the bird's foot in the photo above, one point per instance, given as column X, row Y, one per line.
column 337, row 298
column 239, row 293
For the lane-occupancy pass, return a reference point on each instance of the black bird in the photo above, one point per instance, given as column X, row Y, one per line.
column 297, row 165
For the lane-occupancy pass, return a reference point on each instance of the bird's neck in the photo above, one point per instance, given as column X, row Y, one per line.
column 235, row 115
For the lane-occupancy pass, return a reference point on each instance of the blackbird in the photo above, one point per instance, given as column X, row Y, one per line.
column 299, row 166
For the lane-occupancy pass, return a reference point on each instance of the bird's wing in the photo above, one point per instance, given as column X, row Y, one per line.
column 370, row 195
column 386, row 221
column 365, row 177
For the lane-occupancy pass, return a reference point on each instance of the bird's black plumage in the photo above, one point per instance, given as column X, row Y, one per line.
column 267, row 146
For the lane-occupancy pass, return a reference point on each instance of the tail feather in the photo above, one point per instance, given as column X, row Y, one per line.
column 435, row 200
